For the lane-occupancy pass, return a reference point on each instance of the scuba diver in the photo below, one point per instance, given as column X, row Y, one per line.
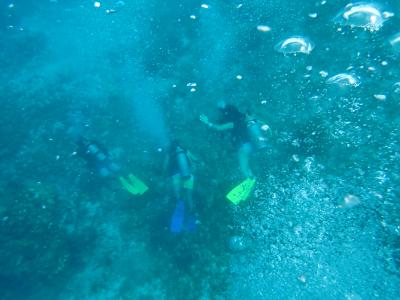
column 178, row 164
column 246, row 133
column 248, row 136
column 99, row 160
column 97, row 157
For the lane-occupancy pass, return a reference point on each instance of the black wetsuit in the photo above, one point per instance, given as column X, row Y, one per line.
column 96, row 156
column 240, row 135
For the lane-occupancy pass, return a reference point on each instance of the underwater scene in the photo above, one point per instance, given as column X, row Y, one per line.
column 205, row 150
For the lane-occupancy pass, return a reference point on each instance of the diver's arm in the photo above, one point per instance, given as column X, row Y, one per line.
column 221, row 127
column 192, row 157
column 218, row 127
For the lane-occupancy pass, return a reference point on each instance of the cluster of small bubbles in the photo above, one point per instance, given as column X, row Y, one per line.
column 381, row 177
column 237, row 243
column 297, row 230
column 308, row 164
column 192, row 86
column 352, row 296
column 285, row 137
column 296, row 143
column 396, row 87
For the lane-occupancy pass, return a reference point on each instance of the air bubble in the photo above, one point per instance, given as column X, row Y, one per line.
column 294, row 45
column 350, row 201
column 367, row 16
column 302, row 279
column 343, row 80
column 380, row 97
column 323, row 74
column 263, row 28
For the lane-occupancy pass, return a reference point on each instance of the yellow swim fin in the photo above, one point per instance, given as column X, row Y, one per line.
column 242, row 191
column 133, row 185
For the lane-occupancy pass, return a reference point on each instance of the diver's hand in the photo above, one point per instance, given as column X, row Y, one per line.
column 204, row 119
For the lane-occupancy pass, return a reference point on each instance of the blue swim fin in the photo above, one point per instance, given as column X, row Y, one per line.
column 190, row 224
column 178, row 218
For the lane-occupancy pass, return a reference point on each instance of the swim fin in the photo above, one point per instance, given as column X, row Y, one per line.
column 133, row 185
column 178, row 218
column 242, row 191
column 190, row 224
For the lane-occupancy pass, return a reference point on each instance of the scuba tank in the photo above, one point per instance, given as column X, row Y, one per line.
column 257, row 137
column 97, row 157
column 183, row 163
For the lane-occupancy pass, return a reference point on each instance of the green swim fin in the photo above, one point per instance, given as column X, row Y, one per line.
column 242, row 191
column 133, row 185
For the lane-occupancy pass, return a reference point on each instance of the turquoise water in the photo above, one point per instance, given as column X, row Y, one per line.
column 323, row 221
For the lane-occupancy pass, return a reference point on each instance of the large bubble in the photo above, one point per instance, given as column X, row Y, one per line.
column 343, row 80
column 364, row 15
column 294, row 45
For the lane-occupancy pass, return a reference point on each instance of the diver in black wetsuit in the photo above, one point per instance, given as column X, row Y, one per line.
column 97, row 157
column 246, row 133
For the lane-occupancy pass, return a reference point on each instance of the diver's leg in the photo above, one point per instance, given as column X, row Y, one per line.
column 188, row 188
column 244, row 154
column 176, row 183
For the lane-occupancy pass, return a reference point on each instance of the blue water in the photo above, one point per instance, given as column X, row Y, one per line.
column 323, row 221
